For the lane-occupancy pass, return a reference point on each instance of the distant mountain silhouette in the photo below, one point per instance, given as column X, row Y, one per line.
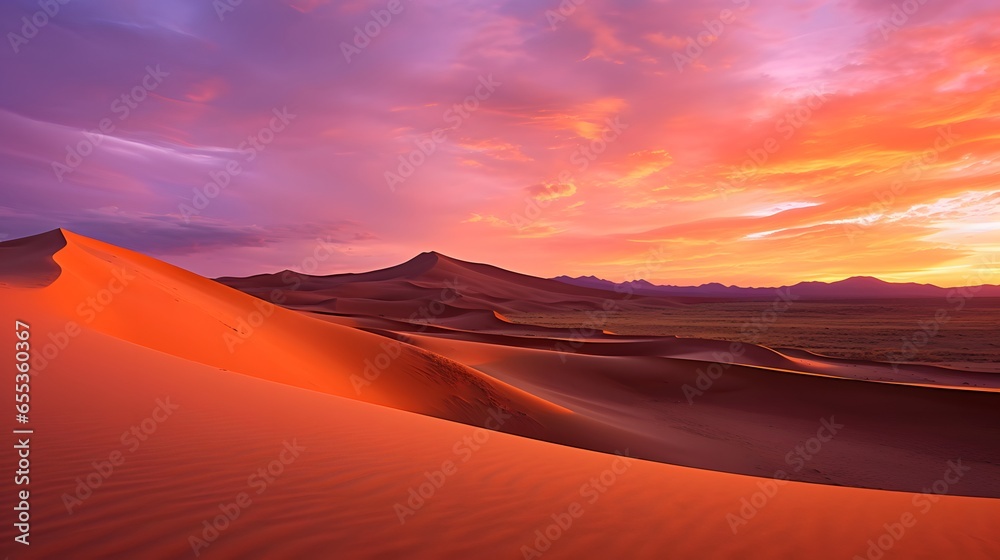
column 858, row 287
column 500, row 289
column 430, row 276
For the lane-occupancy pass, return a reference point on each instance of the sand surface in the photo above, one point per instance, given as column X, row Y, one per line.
column 944, row 331
column 352, row 408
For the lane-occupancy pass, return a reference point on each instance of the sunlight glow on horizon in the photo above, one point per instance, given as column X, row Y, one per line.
column 803, row 143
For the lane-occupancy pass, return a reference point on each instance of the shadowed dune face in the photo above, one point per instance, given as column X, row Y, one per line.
column 727, row 406
column 354, row 413
column 348, row 489
column 27, row 262
column 451, row 286
column 158, row 306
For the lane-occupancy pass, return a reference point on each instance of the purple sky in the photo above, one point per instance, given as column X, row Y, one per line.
column 510, row 180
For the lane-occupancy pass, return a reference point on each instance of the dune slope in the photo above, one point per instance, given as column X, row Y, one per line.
column 711, row 404
column 339, row 478
column 160, row 402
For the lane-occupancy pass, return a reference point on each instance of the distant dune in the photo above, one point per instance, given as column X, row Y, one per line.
column 362, row 391
column 430, row 277
column 637, row 391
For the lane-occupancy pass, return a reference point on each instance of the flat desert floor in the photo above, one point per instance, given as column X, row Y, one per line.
column 400, row 413
column 961, row 333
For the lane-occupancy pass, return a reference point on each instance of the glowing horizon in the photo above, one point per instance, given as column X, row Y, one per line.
column 726, row 142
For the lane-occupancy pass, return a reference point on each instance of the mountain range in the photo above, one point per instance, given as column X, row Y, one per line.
column 855, row 288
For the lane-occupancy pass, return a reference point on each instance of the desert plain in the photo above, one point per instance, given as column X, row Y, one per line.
column 447, row 409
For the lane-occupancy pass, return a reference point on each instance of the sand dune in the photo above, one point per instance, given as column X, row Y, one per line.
column 152, row 304
column 360, row 460
column 711, row 404
column 352, row 412
column 431, row 277
column 28, row 263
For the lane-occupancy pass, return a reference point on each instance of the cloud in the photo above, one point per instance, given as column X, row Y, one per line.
column 678, row 173
column 546, row 192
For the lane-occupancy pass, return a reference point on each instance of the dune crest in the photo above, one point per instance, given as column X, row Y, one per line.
column 371, row 408
column 28, row 262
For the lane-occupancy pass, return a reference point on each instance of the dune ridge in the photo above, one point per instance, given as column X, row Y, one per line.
column 656, row 394
column 24, row 264
column 377, row 403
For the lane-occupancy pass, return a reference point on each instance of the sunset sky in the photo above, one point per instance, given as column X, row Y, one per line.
column 738, row 141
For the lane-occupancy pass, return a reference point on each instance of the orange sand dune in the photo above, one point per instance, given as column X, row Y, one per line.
column 157, row 396
column 27, row 262
column 147, row 302
column 737, row 408
column 750, row 418
column 152, row 304
column 356, row 461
